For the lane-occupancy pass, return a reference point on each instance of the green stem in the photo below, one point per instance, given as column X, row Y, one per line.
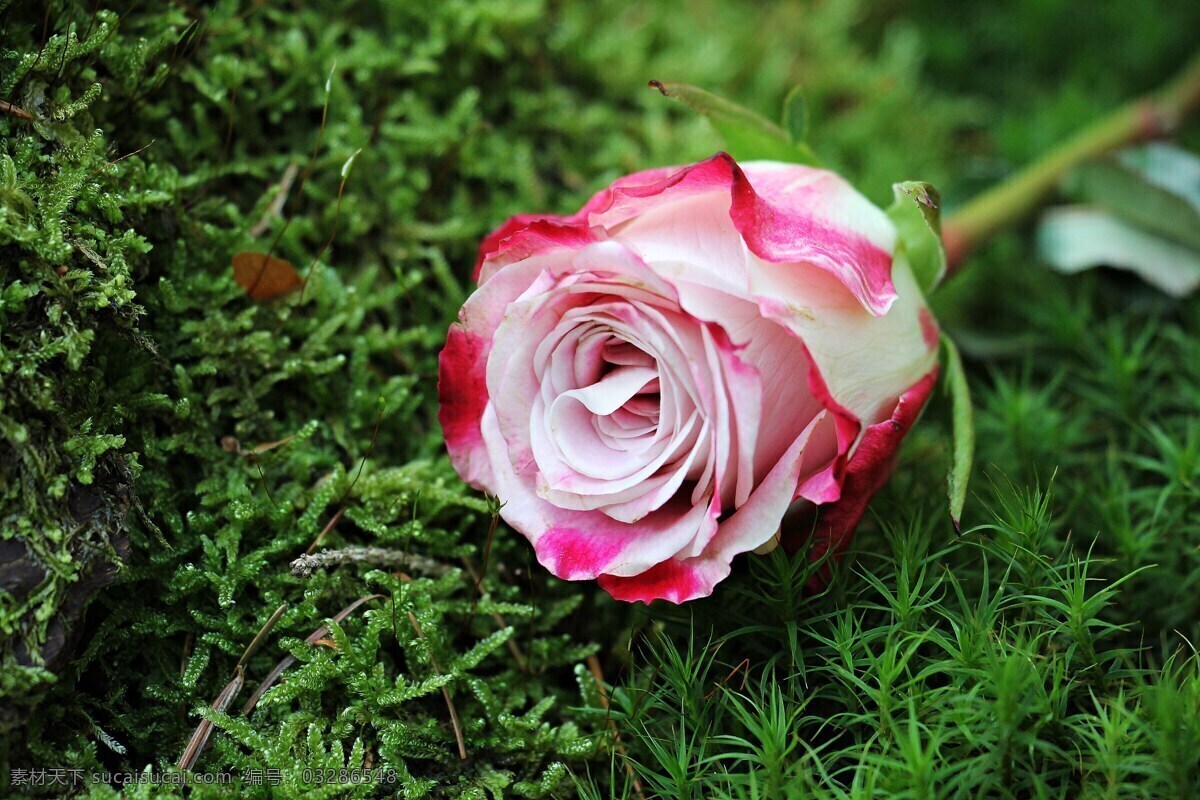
column 1155, row 114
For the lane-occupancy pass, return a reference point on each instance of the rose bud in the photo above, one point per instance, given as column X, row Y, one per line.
column 650, row 384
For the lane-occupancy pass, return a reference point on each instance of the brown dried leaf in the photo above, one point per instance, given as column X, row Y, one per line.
column 265, row 277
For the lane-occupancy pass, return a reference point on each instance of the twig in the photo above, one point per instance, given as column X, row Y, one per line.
column 262, row 634
column 288, row 660
column 1155, row 114
column 275, row 209
column 342, row 500
column 328, row 527
column 487, row 554
column 187, row 651
column 117, row 160
column 14, row 110
column 307, row 564
column 337, row 218
column 195, row 745
column 593, row 664
column 370, row 447
column 308, row 169
column 513, row 647
column 743, row 666
column 263, row 477
column 454, row 721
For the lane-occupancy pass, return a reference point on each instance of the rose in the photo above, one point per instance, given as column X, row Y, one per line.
column 648, row 385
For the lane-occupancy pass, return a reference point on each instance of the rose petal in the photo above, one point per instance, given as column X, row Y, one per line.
column 579, row 545
column 680, row 580
column 785, row 213
column 529, row 234
column 462, row 397
column 866, row 473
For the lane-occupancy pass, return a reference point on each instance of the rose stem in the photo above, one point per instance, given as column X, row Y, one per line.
column 1155, row 114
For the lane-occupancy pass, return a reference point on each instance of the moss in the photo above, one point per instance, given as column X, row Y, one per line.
column 140, row 378
column 155, row 417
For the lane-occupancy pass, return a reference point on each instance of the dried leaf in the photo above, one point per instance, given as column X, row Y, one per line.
column 265, row 277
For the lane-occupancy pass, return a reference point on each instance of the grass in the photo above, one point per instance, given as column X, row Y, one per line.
column 1044, row 653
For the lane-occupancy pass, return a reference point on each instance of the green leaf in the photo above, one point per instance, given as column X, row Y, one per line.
column 748, row 136
column 795, row 115
column 917, row 217
column 1148, row 187
column 1167, row 166
column 1076, row 238
column 963, row 428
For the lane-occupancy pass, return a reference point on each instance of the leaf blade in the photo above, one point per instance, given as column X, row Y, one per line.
column 1139, row 197
column 1076, row 238
column 748, row 136
column 962, row 424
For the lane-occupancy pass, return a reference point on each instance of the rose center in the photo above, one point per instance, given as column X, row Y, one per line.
column 617, row 426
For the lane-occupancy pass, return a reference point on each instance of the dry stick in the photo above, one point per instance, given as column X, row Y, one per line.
column 1155, row 114
column 454, row 721
column 122, row 158
column 288, row 660
column 62, row 64
column 9, row 108
column 195, row 746
column 328, row 527
column 341, row 501
column 188, row 641
column 744, row 664
column 304, row 176
column 487, row 553
column 91, row 21
column 513, row 647
column 262, row 634
column 306, row 565
column 263, row 477
column 337, row 218
column 275, row 209
column 593, row 664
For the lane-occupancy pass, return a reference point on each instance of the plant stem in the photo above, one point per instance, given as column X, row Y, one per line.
column 1158, row 113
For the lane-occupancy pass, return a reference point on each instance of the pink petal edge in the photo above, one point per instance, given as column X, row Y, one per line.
column 462, row 398
column 774, row 226
column 867, row 471
column 680, row 580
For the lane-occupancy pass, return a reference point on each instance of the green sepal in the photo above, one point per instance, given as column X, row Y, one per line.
column 962, row 424
column 916, row 213
column 748, row 136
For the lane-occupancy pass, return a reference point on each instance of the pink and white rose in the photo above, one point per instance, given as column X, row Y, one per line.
column 648, row 385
